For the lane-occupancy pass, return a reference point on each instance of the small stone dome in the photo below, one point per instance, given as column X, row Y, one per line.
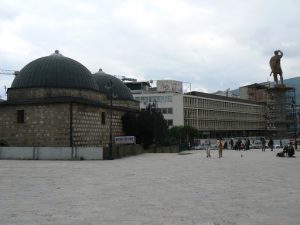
column 120, row 89
column 55, row 71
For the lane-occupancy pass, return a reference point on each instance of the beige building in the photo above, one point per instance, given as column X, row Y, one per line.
column 55, row 101
column 255, row 92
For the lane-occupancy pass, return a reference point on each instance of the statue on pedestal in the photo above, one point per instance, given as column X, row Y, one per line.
column 275, row 66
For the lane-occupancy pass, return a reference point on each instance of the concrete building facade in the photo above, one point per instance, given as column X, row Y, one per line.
column 212, row 114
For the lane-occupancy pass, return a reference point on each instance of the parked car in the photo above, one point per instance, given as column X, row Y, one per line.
column 198, row 147
column 256, row 144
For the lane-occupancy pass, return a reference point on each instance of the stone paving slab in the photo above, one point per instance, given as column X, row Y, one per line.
column 243, row 188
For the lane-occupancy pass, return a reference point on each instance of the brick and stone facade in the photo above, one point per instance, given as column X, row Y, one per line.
column 56, row 102
column 59, row 124
column 44, row 125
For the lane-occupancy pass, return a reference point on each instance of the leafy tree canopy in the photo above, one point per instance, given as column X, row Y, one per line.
column 179, row 134
column 148, row 126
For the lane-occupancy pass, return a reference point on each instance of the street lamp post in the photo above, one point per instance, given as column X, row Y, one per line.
column 154, row 106
column 295, row 122
column 109, row 86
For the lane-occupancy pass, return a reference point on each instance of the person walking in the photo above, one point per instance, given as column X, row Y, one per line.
column 271, row 144
column 231, row 143
column 239, row 144
column 247, row 144
column 263, row 144
column 207, row 146
column 220, row 147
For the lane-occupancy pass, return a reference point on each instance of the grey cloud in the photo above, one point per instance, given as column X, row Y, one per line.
column 213, row 44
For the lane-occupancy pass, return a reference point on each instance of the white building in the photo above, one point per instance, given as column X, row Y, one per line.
column 213, row 114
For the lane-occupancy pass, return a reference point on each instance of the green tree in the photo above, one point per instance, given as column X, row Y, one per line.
column 129, row 122
column 182, row 134
column 149, row 126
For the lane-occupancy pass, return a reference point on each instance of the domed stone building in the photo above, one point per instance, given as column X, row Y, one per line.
column 55, row 101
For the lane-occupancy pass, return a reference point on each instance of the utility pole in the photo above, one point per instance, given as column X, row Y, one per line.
column 154, row 105
column 293, row 105
column 109, row 86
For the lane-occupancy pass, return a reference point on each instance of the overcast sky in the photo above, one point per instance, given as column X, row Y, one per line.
column 212, row 44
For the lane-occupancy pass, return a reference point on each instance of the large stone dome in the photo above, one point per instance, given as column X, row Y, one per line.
column 121, row 91
column 55, row 71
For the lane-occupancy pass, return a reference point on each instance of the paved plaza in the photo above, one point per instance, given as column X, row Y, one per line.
column 245, row 188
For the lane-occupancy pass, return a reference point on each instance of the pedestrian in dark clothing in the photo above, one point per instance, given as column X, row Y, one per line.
column 231, row 143
column 271, row 144
column 263, row 144
column 247, row 144
column 289, row 150
column 239, row 144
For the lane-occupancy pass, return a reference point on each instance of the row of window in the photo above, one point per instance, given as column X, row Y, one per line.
column 215, row 125
column 165, row 110
column 21, row 117
column 224, row 115
column 151, row 99
column 220, row 105
column 162, row 110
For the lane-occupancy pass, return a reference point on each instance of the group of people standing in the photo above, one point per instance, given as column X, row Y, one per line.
column 220, row 145
column 270, row 144
column 238, row 145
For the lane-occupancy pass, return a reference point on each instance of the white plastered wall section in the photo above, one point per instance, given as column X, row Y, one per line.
column 178, row 114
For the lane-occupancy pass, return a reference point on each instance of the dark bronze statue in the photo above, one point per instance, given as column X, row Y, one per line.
column 275, row 66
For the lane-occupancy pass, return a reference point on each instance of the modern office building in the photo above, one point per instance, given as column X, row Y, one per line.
column 212, row 114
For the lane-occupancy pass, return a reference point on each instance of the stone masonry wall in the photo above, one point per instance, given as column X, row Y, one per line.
column 88, row 129
column 126, row 103
column 44, row 125
column 49, row 125
column 34, row 93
